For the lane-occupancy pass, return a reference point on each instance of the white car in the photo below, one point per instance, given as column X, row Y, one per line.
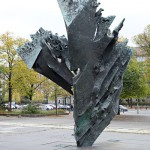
column 46, row 107
column 53, row 105
column 18, row 106
column 7, row 106
column 60, row 106
column 123, row 108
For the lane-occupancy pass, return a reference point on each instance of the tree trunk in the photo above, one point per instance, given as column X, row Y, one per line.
column 46, row 97
column 10, row 90
column 119, row 107
column 30, row 97
column 118, row 111
column 31, row 93
column 131, row 102
column 56, row 100
column 128, row 102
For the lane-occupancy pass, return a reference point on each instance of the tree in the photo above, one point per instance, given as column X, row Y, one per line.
column 121, row 39
column 8, row 46
column 134, row 81
column 146, row 65
column 53, row 90
column 143, row 40
column 46, row 88
column 26, row 81
column 0, row 93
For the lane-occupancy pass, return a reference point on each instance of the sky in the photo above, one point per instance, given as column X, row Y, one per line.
column 25, row 17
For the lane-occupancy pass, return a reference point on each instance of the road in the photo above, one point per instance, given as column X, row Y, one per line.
column 128, row 131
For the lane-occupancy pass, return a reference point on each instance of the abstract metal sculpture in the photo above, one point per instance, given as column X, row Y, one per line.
column 92, row 61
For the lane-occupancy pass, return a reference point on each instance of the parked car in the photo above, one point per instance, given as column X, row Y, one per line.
column 61, row 106
column 123, row 108
column 24, row 106
column 53, row 105
column 6, row 105
column 46, row 107
column 67, row 107
column 71, row 106
column 18, row 106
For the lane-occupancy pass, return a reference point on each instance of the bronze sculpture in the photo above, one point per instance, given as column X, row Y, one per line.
column 90, row 60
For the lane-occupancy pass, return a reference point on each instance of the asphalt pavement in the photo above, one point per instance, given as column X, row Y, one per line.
column 130, row 131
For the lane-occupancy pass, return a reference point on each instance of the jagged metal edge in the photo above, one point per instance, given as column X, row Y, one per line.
column 30, row 51
column 71, row 8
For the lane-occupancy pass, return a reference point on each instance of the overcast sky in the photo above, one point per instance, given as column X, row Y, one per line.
column 25, row 17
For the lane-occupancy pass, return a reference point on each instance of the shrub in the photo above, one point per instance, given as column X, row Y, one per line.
column 30, row 109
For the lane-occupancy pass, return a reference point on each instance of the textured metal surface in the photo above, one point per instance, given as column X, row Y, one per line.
column 102, row 62
column 95, row 57
column 48, row 55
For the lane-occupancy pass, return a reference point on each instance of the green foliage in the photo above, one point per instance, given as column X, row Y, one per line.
column 143, row 40
column 47, row 88
column 26, row 81
column 18, row 112
column 1, row 69
column 2, row 108
column 58, row 91
column 52, row 112
column 134, row 81
column 19, row 81
column 30, row 109
column 8, row 46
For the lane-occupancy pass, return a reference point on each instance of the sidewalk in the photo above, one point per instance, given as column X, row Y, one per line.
column 71, row 127
column 126, row 132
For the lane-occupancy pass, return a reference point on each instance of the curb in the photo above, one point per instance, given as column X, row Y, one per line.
column 131, row 130
column 32, row 115
column 71, row 127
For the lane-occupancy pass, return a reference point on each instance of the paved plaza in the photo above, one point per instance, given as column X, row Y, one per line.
column 129, row 131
